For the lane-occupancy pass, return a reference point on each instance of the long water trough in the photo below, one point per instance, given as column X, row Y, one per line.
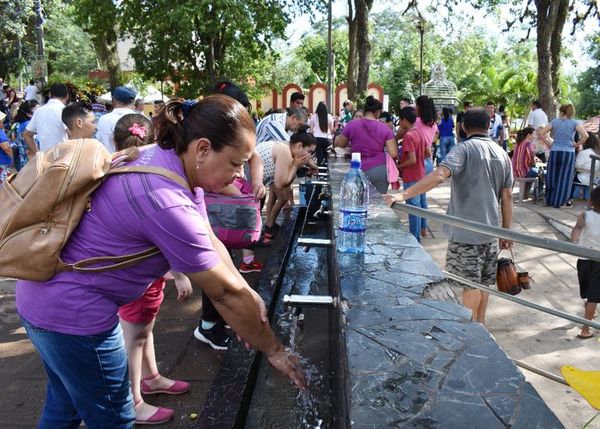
column 377, row 352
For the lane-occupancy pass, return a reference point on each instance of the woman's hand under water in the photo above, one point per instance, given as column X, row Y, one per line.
column 287, row 362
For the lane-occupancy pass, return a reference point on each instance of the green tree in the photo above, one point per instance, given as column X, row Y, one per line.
column 197, row 42
column 359, row 47
column 100, row 19
column 68, row 48
column 313, row 50
column 548, row 18
column 588, row 83
column 15, row 17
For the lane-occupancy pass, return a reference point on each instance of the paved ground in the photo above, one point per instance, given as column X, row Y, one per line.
column 536, row 338
column 178, row 353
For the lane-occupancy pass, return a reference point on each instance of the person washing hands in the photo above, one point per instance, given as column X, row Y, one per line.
column 72, row 318
column 481, row 179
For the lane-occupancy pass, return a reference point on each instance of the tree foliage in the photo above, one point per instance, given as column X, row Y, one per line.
column 313, row 50
column 588, row 84
column 15, row 17
column 100, row 19
column 197, row 42
column 68, row 48
column 548, row 18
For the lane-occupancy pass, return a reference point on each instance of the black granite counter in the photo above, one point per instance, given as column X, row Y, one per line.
column 414, row 362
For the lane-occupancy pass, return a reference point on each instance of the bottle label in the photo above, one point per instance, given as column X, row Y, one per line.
column 353, row 220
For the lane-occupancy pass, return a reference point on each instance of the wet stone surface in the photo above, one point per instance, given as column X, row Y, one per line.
column 418, row 363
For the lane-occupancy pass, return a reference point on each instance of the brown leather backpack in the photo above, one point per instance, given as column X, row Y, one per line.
column 42, row 205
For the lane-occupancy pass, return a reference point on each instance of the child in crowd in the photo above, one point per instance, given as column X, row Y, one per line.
column 80, row 120
column 586, row 232
column 138, row 317
column 17, row 129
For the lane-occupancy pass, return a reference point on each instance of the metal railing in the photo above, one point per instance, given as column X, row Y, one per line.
column 494, row 231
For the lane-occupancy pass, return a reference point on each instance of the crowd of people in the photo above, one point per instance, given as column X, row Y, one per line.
column 215, row 145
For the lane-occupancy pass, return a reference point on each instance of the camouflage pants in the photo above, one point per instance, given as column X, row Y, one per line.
column 475, row 262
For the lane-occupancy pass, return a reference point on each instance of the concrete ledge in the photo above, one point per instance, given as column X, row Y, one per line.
column 416, row 362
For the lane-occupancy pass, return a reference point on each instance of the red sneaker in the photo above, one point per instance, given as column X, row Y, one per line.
column 252, row 267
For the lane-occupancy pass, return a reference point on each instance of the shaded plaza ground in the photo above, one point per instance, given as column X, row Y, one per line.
column 535, row 338
column 178, row 354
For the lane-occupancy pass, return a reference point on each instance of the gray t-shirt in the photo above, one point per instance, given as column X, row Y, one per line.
column 479, row 169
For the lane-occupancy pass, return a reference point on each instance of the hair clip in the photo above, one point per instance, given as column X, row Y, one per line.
column 137, row 130
column 187, row 106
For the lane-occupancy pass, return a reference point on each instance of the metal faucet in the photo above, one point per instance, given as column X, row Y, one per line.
column 309, row 301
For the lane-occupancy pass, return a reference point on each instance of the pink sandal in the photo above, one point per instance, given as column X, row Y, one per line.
column 162, row 415
column 177, row 388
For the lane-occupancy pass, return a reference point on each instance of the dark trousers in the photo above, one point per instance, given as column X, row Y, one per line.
column 321, row 151
column 209, row 312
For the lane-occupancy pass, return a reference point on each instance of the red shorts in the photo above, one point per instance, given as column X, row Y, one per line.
column 145, row 308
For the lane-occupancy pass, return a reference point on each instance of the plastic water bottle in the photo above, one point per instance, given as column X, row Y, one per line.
column 354, row 201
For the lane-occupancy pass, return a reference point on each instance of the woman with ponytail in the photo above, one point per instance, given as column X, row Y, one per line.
column 426, row 125
column 321, row 126
column 72, row 319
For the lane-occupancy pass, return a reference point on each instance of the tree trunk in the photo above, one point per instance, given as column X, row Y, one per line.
column 352, row 77
column 106, row 49
column 551, row 17
column 363, row 46
column 556, row 45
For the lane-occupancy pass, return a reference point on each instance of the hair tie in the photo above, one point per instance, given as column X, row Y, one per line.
column 222, row 86
column 137, row 130
column 187, row 106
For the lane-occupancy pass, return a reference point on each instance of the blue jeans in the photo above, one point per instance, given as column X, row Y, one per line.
column 446, row 145
column 416, row 223
column 87, row 379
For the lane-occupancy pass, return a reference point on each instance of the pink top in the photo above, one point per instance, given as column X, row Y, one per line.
column 130, row 213
column 428, row 131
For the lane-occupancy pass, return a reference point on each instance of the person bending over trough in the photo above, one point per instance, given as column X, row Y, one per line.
column 72, row 318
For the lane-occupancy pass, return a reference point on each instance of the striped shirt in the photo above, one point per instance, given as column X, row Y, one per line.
column 272, row 127
column 522, row 159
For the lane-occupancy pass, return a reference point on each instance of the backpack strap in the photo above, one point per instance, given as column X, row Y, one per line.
column 111, row 263
column 152, row 170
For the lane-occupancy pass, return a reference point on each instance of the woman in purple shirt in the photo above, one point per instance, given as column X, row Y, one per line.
column 72, row 318
column 370, row 137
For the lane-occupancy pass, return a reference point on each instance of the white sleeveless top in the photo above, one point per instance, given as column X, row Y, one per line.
column 590, row 234
column 265, row 150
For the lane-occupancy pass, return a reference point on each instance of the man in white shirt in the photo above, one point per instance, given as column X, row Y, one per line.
column 46, row 121
column 31, row 91
column 495, row 128
column 538, row 120
column 123, row 100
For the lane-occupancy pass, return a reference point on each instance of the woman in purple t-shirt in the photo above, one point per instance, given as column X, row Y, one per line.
column 72, row 319
column 370, row 138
